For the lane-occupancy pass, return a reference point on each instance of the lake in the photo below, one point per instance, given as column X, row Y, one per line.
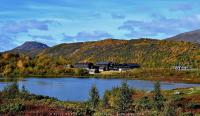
column 77, row 89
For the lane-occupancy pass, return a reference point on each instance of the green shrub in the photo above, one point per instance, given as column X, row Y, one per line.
column 177, row 97
column 193, row 105
column 11, row 91
column 84, row 112
column 81, row 72
column 13, row 107
column 188, row 114
column 170, row 109
column 145, row 103
column 16, row 107
column 41, row 97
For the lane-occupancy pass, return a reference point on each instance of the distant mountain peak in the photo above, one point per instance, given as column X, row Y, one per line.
column 109, row 39
column 30, row 48
column 192, row 36
column 31, row 45
column 194, row 31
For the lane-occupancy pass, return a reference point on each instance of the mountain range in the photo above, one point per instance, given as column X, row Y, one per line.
column 148, row 52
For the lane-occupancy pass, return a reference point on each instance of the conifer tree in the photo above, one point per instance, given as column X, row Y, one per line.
column 94, row 97
column 124, row 100
column 158, row 97
column 105, row 99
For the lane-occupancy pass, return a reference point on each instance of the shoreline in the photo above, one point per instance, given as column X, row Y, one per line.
column 47, row 104
column 151, row 74
column 177, row 80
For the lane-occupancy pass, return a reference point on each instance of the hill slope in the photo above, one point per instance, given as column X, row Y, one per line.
column 192, row 36
column 148, row 52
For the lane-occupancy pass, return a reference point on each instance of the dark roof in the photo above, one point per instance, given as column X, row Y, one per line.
column 84, row 63
column 126, row 65
column 133, row 64
column 103, row 63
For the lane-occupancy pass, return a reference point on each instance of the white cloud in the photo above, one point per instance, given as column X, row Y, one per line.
column 89, row 36
column 160, row 25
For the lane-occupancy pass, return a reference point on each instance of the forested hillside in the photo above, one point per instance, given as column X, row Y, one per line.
column 148, row 53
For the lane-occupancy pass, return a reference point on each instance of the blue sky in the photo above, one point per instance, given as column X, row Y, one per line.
column 65, row 21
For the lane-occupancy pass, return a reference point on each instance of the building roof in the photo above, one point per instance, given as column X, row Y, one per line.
column 84, row 63
column 103, row 63
column 133, row 64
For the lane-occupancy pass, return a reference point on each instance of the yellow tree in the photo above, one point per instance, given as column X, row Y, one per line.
column 20, row 65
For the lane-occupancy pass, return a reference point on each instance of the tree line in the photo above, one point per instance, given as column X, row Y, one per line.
column 120, row 100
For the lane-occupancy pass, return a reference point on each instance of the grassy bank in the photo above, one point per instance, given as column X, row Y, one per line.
column 153, row 74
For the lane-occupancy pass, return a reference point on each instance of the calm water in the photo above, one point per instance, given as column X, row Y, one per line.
column 76, row 89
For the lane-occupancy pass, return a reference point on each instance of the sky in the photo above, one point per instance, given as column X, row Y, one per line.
column 65, row 21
